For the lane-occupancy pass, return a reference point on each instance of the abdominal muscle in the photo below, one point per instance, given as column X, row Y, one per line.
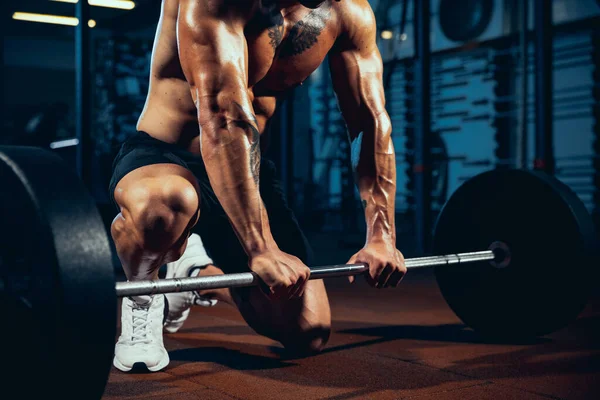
column 170, row 114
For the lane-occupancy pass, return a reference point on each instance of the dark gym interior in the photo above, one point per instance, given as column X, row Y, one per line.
column 471, row 86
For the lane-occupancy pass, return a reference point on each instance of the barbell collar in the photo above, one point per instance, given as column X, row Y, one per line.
column 244, row 279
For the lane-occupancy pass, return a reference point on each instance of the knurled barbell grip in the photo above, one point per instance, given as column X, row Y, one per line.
column 138, row 288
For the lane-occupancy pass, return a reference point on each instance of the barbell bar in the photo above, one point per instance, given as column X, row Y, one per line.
column 245, row 279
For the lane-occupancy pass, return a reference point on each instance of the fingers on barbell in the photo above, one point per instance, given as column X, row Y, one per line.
column 370, row 277
column 384, row 276
column 278, row 289
column 264, row 288
column 396, row 278
column 297, row 290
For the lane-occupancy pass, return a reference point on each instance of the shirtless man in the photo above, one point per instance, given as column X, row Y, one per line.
column 218, row 70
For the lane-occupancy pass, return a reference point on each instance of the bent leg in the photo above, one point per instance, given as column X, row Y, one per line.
column 223, row 294
column 302, row 325
column 159, row 205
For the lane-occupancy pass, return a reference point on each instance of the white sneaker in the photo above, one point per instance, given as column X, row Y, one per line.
column 190, row 263
column 141, row 339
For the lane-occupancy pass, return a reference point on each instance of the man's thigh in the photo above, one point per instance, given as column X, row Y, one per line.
column 299, row 324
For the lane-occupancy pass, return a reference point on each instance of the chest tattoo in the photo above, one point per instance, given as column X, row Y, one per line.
column 276, row 33
column 304, row 34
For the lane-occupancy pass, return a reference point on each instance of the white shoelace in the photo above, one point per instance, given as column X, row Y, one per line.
column 194, row 299
column 141, row 322
column 203, row 301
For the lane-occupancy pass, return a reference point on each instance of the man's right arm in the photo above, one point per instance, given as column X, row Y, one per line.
column 214, row 58
column 214, row 55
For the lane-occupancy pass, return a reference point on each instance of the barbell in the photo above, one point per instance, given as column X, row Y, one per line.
column 518, row 260
column 244, row 279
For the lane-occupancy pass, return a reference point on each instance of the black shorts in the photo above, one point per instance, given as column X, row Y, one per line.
column 213, row 226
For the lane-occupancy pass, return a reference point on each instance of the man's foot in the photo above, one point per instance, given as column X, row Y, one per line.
column 191, row 262
column 141, row 339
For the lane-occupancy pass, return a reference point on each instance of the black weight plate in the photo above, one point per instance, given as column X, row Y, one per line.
column 465, row 20
column 58, row 289
column 551, row 238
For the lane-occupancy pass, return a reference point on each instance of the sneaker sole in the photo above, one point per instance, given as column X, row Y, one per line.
column 163, row 364
column 171, row 329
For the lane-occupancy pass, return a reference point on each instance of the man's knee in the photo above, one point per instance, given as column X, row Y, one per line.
column 307, row 341
column 157, row 211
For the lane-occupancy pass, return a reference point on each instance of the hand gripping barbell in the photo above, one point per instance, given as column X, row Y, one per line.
column 520, row 262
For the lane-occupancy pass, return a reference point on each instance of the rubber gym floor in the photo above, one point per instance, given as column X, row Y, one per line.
column 402, row 343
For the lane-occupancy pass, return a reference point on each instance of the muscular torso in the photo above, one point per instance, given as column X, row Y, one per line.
column 284, row 48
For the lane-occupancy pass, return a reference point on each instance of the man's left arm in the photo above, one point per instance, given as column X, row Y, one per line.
column 356, row 70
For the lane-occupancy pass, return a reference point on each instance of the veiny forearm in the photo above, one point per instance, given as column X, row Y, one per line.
column 231, row 153
column 375, row 169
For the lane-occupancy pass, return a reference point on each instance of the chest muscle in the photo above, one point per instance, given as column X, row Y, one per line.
column 283, row 52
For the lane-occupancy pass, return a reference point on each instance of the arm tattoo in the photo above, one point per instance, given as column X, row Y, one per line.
column 255, row 155
column 246, row 113
column 254, row 140
column 304, row 33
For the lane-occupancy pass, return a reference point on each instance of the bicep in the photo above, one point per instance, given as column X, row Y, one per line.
column 213, row 55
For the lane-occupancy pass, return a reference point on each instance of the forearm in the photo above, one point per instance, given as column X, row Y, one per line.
column 231, row 153
column 375, row 171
